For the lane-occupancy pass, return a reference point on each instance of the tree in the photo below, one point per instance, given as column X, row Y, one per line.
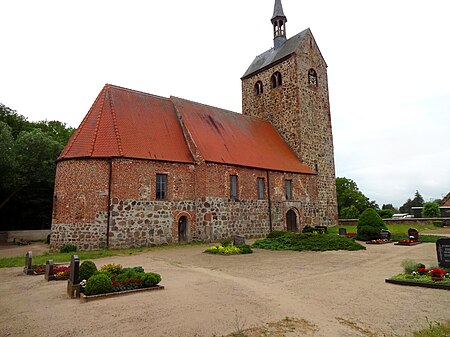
column 349, row 195
column 350, row 212
column 370, row 225
column 417, row 201
column 389, row 206
column 386, row 213
column 431, row 210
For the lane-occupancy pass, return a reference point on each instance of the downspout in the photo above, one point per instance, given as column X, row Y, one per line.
column 269, row 202
column 109, row 202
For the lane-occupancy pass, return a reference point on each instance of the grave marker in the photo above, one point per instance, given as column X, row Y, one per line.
column 49, row 270
column 28, row 269
column 385, row 234
column 73, row 284
column 343, row 231
column 443, row 252
column 239, row 240
column 413, row 234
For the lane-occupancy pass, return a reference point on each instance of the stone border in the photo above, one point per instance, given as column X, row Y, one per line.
column 379, row 243
column 408, row 244
column 419, row 284
column 85, row 298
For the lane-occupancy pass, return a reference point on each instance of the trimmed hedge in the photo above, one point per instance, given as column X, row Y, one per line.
column 99, row 284
column 369, row 225
column 87, row 269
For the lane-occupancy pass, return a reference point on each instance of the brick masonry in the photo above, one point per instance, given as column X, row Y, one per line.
column 301, row 114
column 200, row 192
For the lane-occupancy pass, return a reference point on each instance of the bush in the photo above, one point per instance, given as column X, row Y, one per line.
column 226, row 242
column 68, row 249
column 136, row 269
column 275, row 234
column 370, row 225
column 410, row 265
column 99, row 284
column 307, row 229
column 431, row 210
column 386, row 213
column 245, row 249
column 112, row 268
column 87, row 269
column 150, row 279
column 128, row 274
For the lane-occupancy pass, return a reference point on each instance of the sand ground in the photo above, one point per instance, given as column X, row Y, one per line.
column 340, row 293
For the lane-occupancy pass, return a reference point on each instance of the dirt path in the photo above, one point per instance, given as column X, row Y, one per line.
column 338, row 293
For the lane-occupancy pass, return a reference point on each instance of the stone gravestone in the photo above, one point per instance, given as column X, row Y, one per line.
column 28, row 269
column 443, row 252
column 49, row 270
column 413, row 234
column 385, row 234
column 343, row 231
column 239, row 240
column 73, row 284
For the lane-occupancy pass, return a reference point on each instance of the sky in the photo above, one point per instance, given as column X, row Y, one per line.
column 388, row 70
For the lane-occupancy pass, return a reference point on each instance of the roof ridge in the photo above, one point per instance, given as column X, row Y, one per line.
column 116, row 127
column 136, row 91
column 99, row 117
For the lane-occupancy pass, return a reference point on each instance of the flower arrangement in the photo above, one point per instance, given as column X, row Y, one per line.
column 39, row 269
column 229, row 249
column 61, row 272
column 422, row 271
column 436, row 272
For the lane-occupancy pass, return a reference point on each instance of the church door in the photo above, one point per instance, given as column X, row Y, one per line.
column 291, row 221
column 182, row 229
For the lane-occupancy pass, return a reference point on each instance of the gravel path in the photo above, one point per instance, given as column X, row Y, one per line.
column 340, row 293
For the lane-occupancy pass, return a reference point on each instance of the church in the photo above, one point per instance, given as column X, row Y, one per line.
column 145, row 170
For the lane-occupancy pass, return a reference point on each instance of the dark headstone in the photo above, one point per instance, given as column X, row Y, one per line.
column 443, row 252
column 413, row 234
column 343, row 231
column 385, row 234
column 239, row 240
column 74, row 269
column 28, row 269
column 49, row 270
column 321, row 229
column 48, row 239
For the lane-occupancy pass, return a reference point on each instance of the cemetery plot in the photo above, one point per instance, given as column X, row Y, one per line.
column 56, row 272
column 385, row 237
column 30, row 268
column 413, row 235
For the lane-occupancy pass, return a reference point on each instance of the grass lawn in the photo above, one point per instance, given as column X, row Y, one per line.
column 18, row 261
column 434, row 330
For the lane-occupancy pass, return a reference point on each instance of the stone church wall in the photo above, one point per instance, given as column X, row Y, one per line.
column 200, row 192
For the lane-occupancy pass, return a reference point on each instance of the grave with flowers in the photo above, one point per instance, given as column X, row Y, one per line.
column 413, row 240
column 30, row 268
column 56, row 272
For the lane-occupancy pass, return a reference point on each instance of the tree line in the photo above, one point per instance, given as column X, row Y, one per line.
column 28, row 154
column 352, row 202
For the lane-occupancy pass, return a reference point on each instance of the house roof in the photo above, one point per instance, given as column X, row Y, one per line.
column 273, row 55
column 131, row 124
column 446, row 200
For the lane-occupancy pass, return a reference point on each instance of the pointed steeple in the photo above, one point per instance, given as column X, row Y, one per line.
column 279, row 25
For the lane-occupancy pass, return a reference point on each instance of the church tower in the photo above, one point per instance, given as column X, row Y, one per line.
column 288, row 86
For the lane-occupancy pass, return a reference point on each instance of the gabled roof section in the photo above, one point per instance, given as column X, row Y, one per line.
column 130, row 124
column 275, row 55
column 446, row 200
column 227, row 137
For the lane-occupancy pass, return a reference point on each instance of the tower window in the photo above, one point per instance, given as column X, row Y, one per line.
column 312, row 77
column 276, row 80
column 260, row 185
column 258, row 88
column 288, row 189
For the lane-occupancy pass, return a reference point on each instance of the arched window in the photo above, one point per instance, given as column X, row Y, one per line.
column 276, row 80
column 312, row 77
column 258, row 88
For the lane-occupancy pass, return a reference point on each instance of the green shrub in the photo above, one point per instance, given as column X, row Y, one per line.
column 68, row 249
column 150, row 279
column 245, row 249
column 112, row 268
column 87, row 269
column 128, row 274
column 275, row 234
column 386, row 213
column 431, row 210
column 98, row 284
column 350, row 212
column 136, row 269
column 369, row 225
column 226, row 242
column 307, row 229
column 410, row 265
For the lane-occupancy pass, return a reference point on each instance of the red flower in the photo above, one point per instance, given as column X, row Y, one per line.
column 422, row 271
column 437, row 272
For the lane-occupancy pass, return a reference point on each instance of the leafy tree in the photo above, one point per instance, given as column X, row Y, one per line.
column 431, row 210
column 389, row 206
column 16, row 122
column 386, row 213
column 349, row 195
column 350, row 212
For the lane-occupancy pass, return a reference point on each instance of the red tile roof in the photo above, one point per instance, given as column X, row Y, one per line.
column 132, row 124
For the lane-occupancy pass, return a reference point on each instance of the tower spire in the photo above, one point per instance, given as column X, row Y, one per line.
column 279, row 25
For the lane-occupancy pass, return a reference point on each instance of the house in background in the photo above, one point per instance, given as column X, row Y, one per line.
column 146, row 170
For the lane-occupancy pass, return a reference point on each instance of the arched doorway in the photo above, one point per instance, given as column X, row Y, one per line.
column 182, row 229
column 291, row 221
